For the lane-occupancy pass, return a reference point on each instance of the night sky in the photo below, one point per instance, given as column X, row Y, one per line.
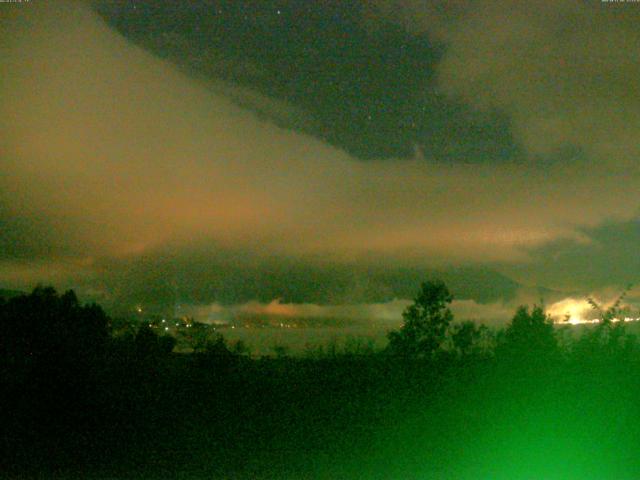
column 329, row 152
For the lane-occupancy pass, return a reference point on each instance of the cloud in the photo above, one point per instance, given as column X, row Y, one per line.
column 379, row 314
column 126, row 159
column 491, row 314
column 390, row 313
column 562, row 71
column 607, row 257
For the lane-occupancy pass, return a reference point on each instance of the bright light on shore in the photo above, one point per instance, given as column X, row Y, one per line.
column 580, row 321
column 571, row 311
column 578, row 312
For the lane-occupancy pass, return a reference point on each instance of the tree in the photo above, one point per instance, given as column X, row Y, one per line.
column 425, row 322
column 530, row 334
column 52, row 328
column 467, row 338
column 217, row 348
column 614, row 311
column 609, row 337
column 151, row 346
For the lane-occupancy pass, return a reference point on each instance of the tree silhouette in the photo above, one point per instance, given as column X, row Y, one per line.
column 466, row 337
column 530, row 334
column 151, row 346
column 217, row 348
column 45, row 327
column 425, row 322
column 614, row 311
column 609, row 337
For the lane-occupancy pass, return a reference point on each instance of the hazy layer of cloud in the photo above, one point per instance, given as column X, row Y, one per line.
column 122, row 155
column 386, row 314
column 389, row 312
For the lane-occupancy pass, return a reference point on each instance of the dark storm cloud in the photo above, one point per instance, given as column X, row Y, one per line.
column 561, row 70
column 367, row 90
column 122, row 174
column 226, row 276
column 607, row 256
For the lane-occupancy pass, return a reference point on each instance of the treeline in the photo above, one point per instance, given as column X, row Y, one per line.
column 429, row 332
column 442, row 400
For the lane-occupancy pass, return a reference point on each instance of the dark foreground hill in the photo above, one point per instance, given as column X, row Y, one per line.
column 79, row 403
